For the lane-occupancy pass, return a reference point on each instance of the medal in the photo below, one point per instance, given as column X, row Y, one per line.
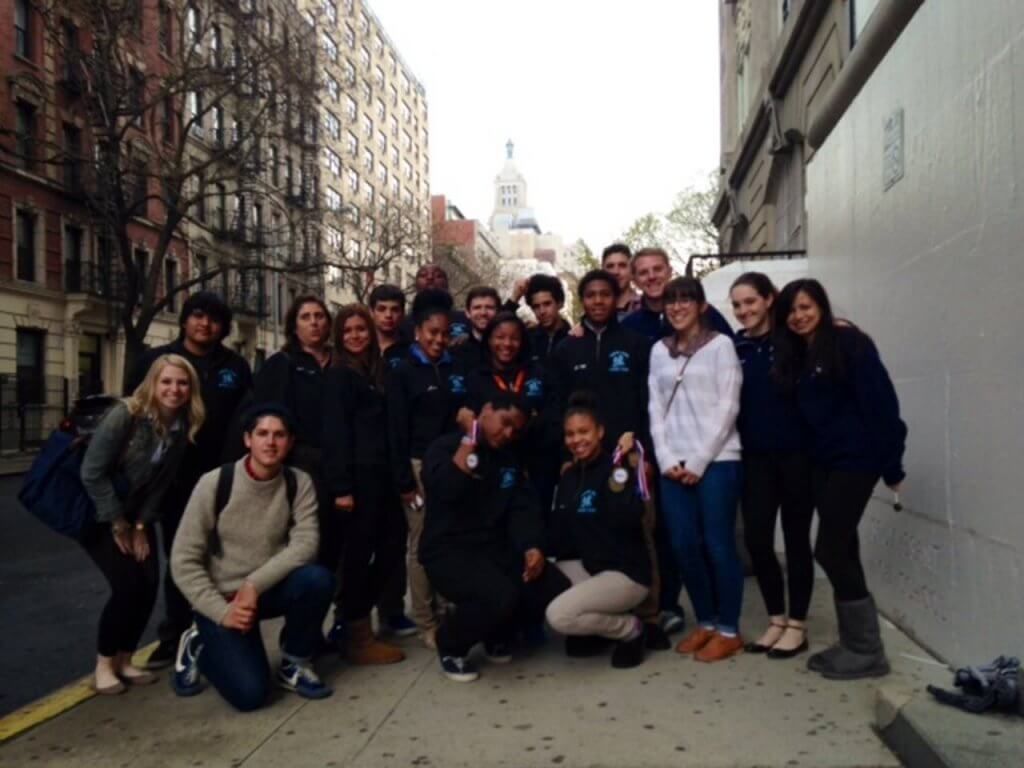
column 619, row 478
column 473, row 461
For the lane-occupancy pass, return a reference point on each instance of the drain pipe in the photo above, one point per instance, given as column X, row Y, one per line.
column 886, row 24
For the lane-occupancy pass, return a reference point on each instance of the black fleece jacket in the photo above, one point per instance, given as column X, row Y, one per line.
column 543, row 344
column 295, row 380
column 612, row 363
column 597, row 525
column 493, row 511
column 354, row 429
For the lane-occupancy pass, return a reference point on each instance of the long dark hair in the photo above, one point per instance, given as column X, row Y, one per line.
column 793, row 356
column 291, row 321
column 508, row 318
column 688, row 288
column 368, row 364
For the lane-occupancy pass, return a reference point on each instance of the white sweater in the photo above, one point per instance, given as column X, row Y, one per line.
column 700, row 425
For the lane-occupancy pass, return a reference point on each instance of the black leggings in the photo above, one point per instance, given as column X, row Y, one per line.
column 774, row 482
column 842, row 497
column 374, row 542
column 133, row 588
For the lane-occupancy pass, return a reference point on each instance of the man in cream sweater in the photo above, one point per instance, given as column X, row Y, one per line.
column 244, row 552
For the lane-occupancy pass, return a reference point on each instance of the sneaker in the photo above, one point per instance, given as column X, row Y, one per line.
column 162, row 656
column 459, row 668
column 401, row 625
column 498, row 653
column 300, row 678
column 585, row 646
column 186, row 680
column 629, row 653
column 671, row 622
column 336, row 635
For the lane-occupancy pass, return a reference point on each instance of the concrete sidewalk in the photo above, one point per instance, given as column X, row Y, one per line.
column 542, row 710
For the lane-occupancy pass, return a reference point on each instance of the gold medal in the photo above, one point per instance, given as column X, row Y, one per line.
column 619, row 478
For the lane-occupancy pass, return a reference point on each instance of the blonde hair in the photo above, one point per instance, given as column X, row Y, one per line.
column 142, row 401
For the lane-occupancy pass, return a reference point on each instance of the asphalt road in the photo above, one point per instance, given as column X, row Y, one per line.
column 51, row 596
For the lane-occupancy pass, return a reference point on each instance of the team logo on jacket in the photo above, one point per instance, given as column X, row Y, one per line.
column 458, row 329
column 618, row 362
column 534, row 388
column 394, row 362
column 457, row 384
column 227, row 379
column 507, row 477
column 588, row 503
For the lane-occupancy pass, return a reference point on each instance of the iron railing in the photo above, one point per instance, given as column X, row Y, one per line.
column 708, row 262
column 30, row 408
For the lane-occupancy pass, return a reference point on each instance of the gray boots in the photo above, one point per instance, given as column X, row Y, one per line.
column 860, row 652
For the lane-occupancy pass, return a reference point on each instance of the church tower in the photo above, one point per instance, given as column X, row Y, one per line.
column 509, row 194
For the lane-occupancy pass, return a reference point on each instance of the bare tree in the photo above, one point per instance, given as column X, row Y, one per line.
column 194, row 127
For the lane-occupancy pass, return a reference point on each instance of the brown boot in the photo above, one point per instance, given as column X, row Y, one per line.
column 364, row 648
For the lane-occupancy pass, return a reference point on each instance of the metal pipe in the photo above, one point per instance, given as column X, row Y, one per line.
column 884, row 27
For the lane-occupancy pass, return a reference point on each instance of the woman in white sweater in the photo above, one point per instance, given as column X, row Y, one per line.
column 694, row 383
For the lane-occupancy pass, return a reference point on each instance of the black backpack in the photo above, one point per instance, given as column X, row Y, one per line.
column 225, row 480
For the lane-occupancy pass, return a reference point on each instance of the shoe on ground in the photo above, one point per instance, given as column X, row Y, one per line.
column 629, row 653
column 363, row 648
column 719, row 647
column 655, row 638
column 694, row 641
column 459, row 668
column 788, row 653
column 498, row 653
column 300, row 678
column 861, row 652
column 185, row 679
column 401, row 625
column 585, row 646
column 114, row 689
column 162, row 656
column 141, row 678
column 671, row 622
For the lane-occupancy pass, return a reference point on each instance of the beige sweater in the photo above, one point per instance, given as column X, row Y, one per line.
column 262, row 539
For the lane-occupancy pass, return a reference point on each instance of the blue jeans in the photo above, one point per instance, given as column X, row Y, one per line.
column 236, row 663
column 701, row 522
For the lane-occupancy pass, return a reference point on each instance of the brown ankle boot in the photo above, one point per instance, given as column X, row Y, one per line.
column 364, row 648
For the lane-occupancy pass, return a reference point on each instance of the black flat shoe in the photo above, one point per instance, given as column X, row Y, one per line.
column 779, row 653
column 757, row 647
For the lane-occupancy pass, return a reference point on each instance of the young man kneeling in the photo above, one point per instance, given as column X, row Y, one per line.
column 244, row 552
column 481, row 544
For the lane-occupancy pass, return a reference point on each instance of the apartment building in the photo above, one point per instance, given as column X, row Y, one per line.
column 62, row 283
column 374, row 152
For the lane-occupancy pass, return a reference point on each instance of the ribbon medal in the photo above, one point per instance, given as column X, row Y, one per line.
column 619, row 478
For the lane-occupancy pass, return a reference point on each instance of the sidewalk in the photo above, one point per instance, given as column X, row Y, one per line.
column 545, row 710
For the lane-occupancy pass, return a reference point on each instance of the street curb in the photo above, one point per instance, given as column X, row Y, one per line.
column 54, row 704
column 898, row 732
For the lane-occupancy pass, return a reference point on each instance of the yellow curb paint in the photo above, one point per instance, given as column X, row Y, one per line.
column 56, row 703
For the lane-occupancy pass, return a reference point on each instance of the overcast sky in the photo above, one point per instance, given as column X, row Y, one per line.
column 613, row 107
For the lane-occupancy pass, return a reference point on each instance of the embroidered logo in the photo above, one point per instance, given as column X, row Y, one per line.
column 588, row 503
column 394, row 362
column 534, row 388
column 457, row 384
column 619, row 362
column 508, row 477
column 227, row 379
column 458, row 329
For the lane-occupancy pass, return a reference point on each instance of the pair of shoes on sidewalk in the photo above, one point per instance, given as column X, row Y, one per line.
column 292, row 675
column 462, row 669
column 709, row 645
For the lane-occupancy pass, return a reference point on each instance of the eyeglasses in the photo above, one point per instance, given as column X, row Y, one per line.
column 682, row 301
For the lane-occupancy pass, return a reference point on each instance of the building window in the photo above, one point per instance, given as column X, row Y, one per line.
column 394, row 96
column 331, row 11
column 200, row 182
column 194, row 108
column 350, row 37
column 167, row 120
column 367, row 160
column 365, row 91
column 333, row 88
column 350, row 72
column 353, row 181
column 333, row 199
column 141, row 270
column 382, row 174
column 23, row 28
column 382, row 141
column 368, row 194
column 330, row 48
column 171, row 284
column 25, row 135
column 394, row 126
column 73, row 238
column 201, row 265
column 72, row 157
column 25, row 222
column 332, row 161
column 90, row 365
column 275, row 166
column 364, row 58
column 350, row 109
column 192, row 29
column 332, row 125
column 860, row 12
column 407, row 141
column 31, row 346
column 351, row 143
column 380, row 110
column 222, row 207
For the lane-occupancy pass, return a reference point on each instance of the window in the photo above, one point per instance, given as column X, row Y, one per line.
column 222, row 207
column 73, row 259
column 141, row 267
column 351, row 143
column 366, row 124
column 350, row 36
column 407, row 169
column 31, row 386
column 394, row 96
column 368, row 160
column 23, row 28
column 393, row 64
column 365, row 91
column 192, row 28
column 353, row 180
column 164, row 28
column 350, row 72
column 332, row 125
column 25, row 135
column 406, row 141
column 25, row 222
column 378, row 45
column 382, row 141
column 90, row 367
column 333, row 239
column 395, row 188
column 333, row 88
column 171, row 284
column 350, row 109
column 405, row 83
column 331, row 11
column 354, row 250
column 275, row 166
column 382, row 174
column 378, row 77
column 380, row 110
column 406, row 112
column 368, row 194
column 289, row 176
column 194, row 108
column 218, row 125
column 332, row 161
column 394, row 155
column 860, row 12
column 72, row 157
column 201, row 265
column 364, row 57
column 200, row 197
column 216, row 46
column 394, row 126
column 330, row 48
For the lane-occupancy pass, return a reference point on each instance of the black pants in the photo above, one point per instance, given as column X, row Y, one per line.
column 133, row 587
column 491, row 601
column 841, row 498
column 774, row 482
column 374, row 542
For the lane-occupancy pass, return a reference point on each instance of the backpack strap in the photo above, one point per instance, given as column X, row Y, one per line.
column 291, row 486
column 225, row 479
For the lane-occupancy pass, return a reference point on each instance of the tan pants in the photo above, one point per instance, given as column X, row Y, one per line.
column 421, row 594
column 595, row 605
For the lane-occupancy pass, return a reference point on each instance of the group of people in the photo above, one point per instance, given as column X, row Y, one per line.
column 471, row 477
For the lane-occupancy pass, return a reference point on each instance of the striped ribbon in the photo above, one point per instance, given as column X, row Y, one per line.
column 641, row 476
